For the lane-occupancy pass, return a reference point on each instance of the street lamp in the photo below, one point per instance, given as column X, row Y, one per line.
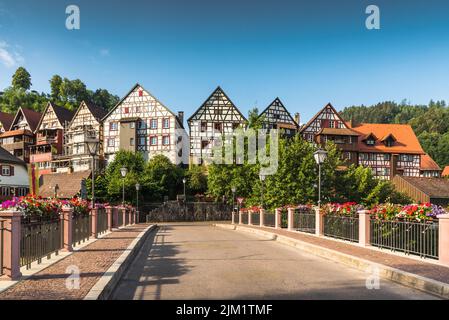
column 233, row 189
column 184, row 183
column 262, row 179
column 137, row 202
column 123, row 172
column 320, row 156
column 92, row 147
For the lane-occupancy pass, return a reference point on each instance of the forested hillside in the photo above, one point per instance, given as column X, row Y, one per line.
column 64, row 92
column 430, row 123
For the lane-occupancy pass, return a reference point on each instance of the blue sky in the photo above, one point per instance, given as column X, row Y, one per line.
column 307, row 53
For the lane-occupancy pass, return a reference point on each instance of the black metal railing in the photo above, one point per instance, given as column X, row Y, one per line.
column 102, row 221
column 405, row 236
column 120, row 218
column 244, row 218
column 304, row 220
column 269, row 219
column 38, row 239
column 81, row 229
column 255, row 218
column 284, row 219
column 341, row 227
column 2, row 233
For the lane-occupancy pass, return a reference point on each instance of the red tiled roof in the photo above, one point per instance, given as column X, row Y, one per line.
column 32, row 117
column 406, row 140
column 338, row 131
column 19, row 132
column 427, row 163
column 6, row 119
column 445, row 171
column 69, row 184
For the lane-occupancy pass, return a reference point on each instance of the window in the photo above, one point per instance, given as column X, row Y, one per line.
column 153, row 124
column 406, row 157
column 341, row 125
column 153, row 141
column 204, row 144
column 6, row 171
column 217, row 111
column 389, row 142
column 386, row 171
column 347, row 155
column 217, row 126
column 126, row 109
column 165, row 140
column 203, row 126
column 370, row 142
column 387, row 157
column 332, row 124
column 364, row 156
column 111, row 142
column 132, row 125
column 140, row 93
column 131, row 141
column 113, row 126
column 5, row 191
column 142, row 141
column 141, row 125
column 372, row 156
column 166, row 123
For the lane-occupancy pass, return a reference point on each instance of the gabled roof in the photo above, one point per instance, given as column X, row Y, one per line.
column 278, row 102
column 427, row 163
column 6, row 120
column 149, row 93
column 445, row 171
column 32, row 117
column 97, row 112
column 433, row 187
column 218, row 90
column 62, row 114
column 329, row 105
column 406, row 140
column 6, row 157
column 338, row 132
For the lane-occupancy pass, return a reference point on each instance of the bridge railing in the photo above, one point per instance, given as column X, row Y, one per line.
column 426, row 239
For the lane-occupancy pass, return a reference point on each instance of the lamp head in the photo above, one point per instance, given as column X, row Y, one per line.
column 124, row 171
column 320, row 156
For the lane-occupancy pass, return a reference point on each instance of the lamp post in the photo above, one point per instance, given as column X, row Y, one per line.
column 92, row 147
column 233, row 189
column 185, row 200
column 123, row 172
column 262, row 179
column 320, row 156
column 137, row 200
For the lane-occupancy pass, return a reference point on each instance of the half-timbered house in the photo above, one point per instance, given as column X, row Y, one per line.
column 49, row 137
column 276, row 116
column 85, row 125
column 141, row 123
column 429, row 168
column 328, row 125
column 20, row 136
column 216, row 116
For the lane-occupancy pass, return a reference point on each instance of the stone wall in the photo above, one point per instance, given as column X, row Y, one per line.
column 192, row 211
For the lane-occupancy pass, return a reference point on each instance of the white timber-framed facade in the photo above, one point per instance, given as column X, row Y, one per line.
column 276, row 116
column 216, row 116
column 141, row 123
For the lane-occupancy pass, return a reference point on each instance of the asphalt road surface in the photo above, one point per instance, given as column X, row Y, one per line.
column 199, row 261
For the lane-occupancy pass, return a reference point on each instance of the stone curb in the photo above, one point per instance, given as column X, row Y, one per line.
column 415, row 281
column 108, row 281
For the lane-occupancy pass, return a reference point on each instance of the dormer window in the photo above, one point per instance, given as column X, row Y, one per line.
column 370, row 142
column 389, row 140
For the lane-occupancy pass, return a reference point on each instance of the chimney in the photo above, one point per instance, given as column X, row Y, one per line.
column 181, row 117
column 297, row 118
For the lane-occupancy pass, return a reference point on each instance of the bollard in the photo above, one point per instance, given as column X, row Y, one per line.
column 364, row 228
column 261, row 213
column 319, row 223
column 290, row 218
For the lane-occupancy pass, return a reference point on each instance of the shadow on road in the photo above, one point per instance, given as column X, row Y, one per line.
column 154, row 267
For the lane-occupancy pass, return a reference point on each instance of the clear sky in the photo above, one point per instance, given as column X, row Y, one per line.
column 307, row 53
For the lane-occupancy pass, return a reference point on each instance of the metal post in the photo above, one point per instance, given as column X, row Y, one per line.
column 319, row 185
column 123, row 192
column 93, row 182
column 261, row 195
column 137, row 206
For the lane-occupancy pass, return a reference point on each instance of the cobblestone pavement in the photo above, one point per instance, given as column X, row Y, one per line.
column 419, row 267
column 199, row 261
column 92, row 261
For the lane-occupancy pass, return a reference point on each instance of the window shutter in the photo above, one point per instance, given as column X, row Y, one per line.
column 11, row 170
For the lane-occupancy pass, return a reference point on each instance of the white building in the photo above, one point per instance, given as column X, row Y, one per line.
column 13, row 176
column 140, row 122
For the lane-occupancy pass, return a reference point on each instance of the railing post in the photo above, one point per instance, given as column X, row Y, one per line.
column 240, row 217
column 249, row 217
column 233, row 216
column 67, row 218
column 443, row 238
column 94, row 219
column 261, row 219
column 319, row 222
column 364, row 228
column 124, row 216
column 109, row 215
column 11, row 244
column 290, row 218
column 277, row 218
column 130, row 212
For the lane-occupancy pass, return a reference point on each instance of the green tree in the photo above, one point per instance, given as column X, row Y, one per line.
column 55, row 87
column 21, row 79
column 196, row 180
column 163, row 174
